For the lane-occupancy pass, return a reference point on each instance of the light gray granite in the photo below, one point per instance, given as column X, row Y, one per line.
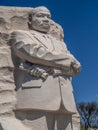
column 35, row 72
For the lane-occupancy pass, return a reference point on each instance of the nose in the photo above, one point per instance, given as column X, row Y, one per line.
column 46, row 19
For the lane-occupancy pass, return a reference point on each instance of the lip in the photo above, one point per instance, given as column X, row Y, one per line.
column 44, row 24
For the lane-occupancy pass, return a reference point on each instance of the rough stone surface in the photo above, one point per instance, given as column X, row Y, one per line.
column 7, row 86
column 13, row 18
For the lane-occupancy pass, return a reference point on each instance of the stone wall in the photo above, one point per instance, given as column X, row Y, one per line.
column 13, row 18
column 7, row 86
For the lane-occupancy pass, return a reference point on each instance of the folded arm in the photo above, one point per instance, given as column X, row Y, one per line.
column 28, row 49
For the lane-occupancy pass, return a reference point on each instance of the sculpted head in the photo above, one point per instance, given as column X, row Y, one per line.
column 40, row 19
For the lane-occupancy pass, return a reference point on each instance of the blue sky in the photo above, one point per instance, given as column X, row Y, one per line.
column 79, row 19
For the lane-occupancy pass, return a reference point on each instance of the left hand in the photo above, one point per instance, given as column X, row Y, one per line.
column 76, row 66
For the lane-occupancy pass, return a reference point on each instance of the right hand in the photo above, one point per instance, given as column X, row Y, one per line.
column 39, row 73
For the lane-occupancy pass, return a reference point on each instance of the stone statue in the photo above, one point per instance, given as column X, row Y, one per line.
column 43, row 68
column 45, row 88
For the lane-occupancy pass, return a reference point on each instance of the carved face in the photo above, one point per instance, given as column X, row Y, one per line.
column 41, row 20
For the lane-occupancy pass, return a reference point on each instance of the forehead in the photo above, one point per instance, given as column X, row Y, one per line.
column 42, row 11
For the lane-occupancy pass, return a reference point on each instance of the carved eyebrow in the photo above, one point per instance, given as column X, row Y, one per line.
column 48, row 15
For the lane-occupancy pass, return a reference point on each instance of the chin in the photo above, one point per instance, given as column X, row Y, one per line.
column 41, row 29
column 44, row 30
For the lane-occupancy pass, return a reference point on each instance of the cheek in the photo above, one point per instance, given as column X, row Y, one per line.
column 37, row 21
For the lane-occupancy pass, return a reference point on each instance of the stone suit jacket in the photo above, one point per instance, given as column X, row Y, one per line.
column 49, row 94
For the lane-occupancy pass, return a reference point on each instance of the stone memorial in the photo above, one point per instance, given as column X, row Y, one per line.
column 36, row 71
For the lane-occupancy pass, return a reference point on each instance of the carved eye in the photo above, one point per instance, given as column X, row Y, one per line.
column 49, row 17
column 40, row 15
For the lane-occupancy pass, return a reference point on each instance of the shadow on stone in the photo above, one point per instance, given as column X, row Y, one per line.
column 1, row 127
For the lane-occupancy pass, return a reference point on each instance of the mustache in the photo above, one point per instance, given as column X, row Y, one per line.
column 44, row 22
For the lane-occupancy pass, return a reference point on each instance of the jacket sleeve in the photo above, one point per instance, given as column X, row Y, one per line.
column 28, row 49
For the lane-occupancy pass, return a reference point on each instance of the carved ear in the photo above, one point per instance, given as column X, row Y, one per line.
column 29, row 19
column 30, row 15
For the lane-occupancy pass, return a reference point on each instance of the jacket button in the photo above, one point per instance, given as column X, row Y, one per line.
column 61, row 84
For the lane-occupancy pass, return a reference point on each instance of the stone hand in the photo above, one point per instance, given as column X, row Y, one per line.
column 76, row 66
column 39, row 73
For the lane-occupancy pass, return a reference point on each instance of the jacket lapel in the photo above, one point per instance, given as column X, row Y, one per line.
column 39, row 38
column 44, row 39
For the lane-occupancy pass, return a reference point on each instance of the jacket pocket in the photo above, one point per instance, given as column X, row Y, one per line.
column 31, row 82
